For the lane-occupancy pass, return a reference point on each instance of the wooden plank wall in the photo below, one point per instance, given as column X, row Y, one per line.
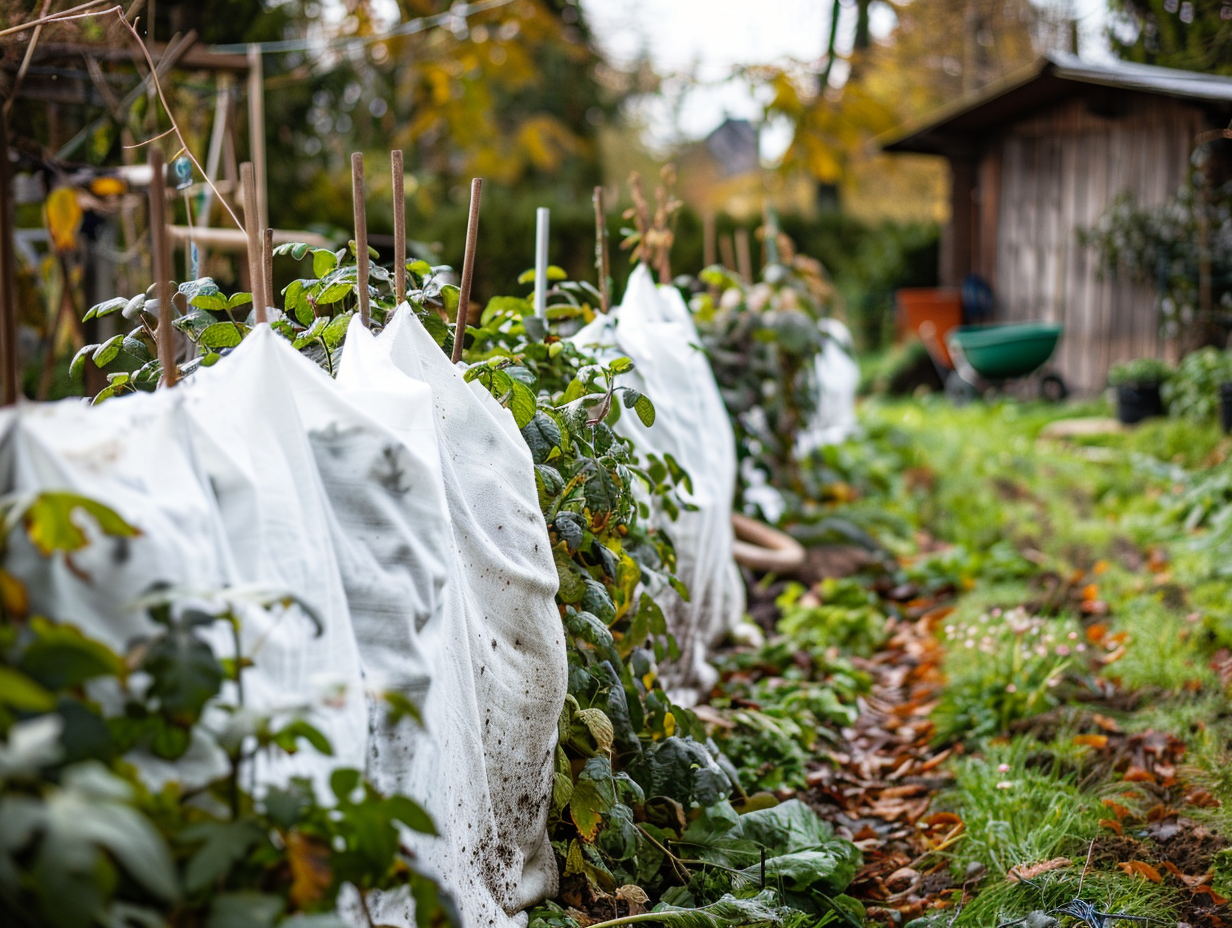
column 1059, row 172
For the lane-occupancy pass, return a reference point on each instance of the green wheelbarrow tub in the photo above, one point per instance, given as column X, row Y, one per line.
column 1006, row 350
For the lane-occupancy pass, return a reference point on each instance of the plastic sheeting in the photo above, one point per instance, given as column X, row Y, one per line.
column 653, row 327
column 399, row 505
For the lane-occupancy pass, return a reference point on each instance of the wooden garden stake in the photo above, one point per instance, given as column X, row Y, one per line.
column 256, row 129
column 744, row 257
column 708, row 253
column 728, row 252
column 543, row 217
column 9, row 390
column 361, row 237
column 468, row 269
column 601, row 257
column 256, row 273
column 267, row 266
column 161, row 253
column 398, row 173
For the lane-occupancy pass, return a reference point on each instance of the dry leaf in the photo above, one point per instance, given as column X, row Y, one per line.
column 309, row 862
column 1092, row 741
column 1117, row 809
column 1031, row 871
column 1142, row 869
column 1112, row 825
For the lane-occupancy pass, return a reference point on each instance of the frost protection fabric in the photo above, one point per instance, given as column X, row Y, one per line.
column 254, row 415
column 499, row 663
column 837, row 377
column 653, row 327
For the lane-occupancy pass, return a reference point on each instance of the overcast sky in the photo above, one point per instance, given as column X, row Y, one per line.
column 712, row 37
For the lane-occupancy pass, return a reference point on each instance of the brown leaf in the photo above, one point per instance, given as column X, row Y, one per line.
column 1103, row 721
column 1207, row 891
column 309, row 862
column 1117, row 809
column 13, row 595
column 1139, row 775
column 1092, row 741
column 1112, row 825
column 1097, row 632
column 1031, row 871
column 1141, row 869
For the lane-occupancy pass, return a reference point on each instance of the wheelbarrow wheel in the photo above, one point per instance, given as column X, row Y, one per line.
column 1052, row 388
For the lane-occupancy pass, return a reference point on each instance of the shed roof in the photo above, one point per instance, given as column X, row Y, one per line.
column 1051, row 78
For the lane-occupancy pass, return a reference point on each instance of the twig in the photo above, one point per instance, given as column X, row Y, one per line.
column 76, row 12
column 542, row 219
column 162, row 266
column 25, row 61
column 9, row 386
column 398, row 175
column 153, row 138
column 601, row 252
column 158, row 87
column 468, row 269
column 361, row 238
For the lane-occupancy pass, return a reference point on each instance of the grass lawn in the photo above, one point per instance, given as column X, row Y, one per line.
column 1029, row 676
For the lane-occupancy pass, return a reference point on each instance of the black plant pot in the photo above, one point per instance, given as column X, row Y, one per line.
column 1225, row 406
column 1138, row 401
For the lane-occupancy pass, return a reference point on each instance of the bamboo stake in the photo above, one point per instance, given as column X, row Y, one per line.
column 256, row 275
column 9, row 390
column 542, row 219
column 728, row 252
column 601, row 255
column 267, row 266
column 708, row 233
column 396, row 169
column 256, row 129
column 744, row 256
column 161, row 252
column 361, row 237
column 468, row 269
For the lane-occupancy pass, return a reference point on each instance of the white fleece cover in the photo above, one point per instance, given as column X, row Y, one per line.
column 653, row 327
column 499, row 663
column 836, row 376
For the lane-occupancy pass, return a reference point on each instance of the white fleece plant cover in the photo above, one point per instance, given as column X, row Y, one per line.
column 499, row 664
column 837, row 377
column 653, row 327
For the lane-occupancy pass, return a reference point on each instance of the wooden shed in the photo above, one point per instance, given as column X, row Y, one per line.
column 1040, row 155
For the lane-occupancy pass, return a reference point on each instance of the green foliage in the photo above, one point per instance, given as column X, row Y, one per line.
column 842, row 614
column 1140, row 372
column 1194, row 37
column 83, row 841
column 1192, row 392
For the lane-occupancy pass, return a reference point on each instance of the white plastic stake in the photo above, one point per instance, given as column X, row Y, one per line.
column 542, row 215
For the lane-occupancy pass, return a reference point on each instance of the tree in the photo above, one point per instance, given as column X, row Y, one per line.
column 1195, row 35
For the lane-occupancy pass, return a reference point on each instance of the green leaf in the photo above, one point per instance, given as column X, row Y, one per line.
column 238, row 299
column 521, row 403
column 245, row 910
column 602, row 491
column 323, row 261
column 591, row 629
column 410, row 813
column 184, row 672
column 570, row 528
column 681, row 769
column 289, row 736
column 17, row 691
column 620, row 366
column 541, row 434
column 133, row 308
column 571, row 587
column 419, row 268
column 597, row 601
column 640, row 403
column 223, row 334
column 105, row 308
column 49, row 524
column 224, row 844
column 297, row 302
column 60, row 657
column 594, row 794
column 210, row 301
column 108, row 350
column 79, row 360
column 335, row 331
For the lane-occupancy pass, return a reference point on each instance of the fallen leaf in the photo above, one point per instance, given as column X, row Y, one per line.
column 1097, row 632
column 1141, row 869
column 1112, row 825
column 1117, row 809
column 1207, row 891
column 1092, row 741
column 1137, row 774
column 1104, row 722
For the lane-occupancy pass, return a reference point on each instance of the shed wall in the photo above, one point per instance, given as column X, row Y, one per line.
column 1056, row 173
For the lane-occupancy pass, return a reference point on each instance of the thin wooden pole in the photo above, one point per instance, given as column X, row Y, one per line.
column 8, row 291
column 256, row 130
column 398, row 173
column 267, row 266
column 468, row 269
column 601, row 255
column 543, row 218
column 708, row 235
column 361, row 237
column 256, row 274
column 744, row 256
column 161, row 252
column 728, row 252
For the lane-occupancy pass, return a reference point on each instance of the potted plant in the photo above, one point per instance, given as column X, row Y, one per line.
column 1137, row 385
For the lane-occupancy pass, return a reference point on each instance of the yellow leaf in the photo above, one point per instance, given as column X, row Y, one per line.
column 62, row 214
column 13, row 595
column 309, row 862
